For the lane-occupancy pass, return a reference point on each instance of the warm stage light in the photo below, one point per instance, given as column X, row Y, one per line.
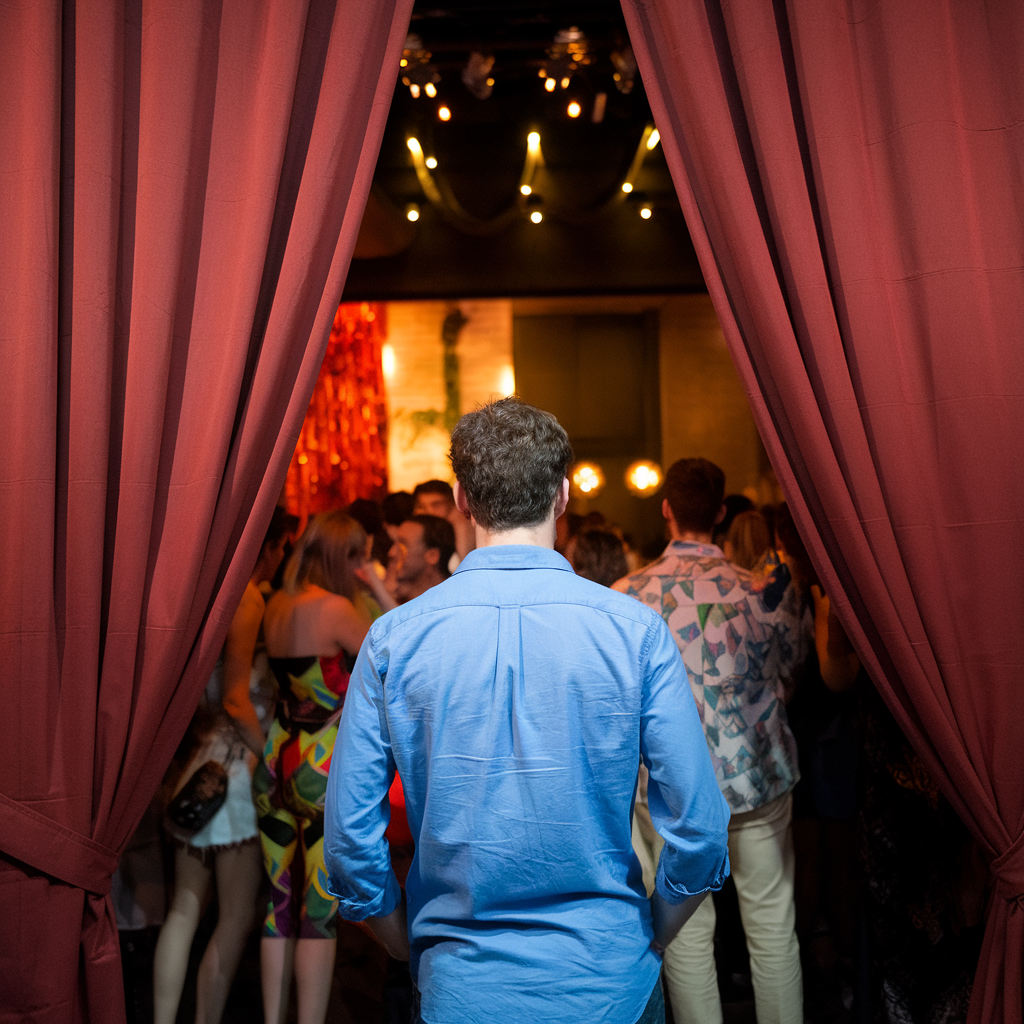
column 403, row 63
column 643, row 477
column 565, row 83
column 653, row 139
column 431, row 162
column 412, row 212
column 574, row 109
column 536, row 216
column 490, row 82
column 507, row 381
column 525, row 189
column 627, row 187
column 645, row 212
column 533, row 140
column 415, row 90
column 430, row 89
column 586, row 480
column 550, row 84
column 444, row 113
column 414, row 146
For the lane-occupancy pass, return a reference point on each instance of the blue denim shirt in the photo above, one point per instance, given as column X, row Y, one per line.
column 515, row 700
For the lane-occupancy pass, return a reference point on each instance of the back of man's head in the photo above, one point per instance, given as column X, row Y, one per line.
column 439, row 535
column 510, row 460
column 694, row 489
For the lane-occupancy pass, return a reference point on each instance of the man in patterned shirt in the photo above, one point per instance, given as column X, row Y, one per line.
column 740, row 642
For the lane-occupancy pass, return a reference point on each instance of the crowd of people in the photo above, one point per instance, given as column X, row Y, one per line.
column 517, row 763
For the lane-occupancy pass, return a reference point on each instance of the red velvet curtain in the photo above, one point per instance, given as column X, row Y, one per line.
column 852, row 174
column 181, row 184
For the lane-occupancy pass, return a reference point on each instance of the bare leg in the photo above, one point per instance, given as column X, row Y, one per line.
column 277, row 957
column 239, row 870
column 314, row 972
column 170, row 960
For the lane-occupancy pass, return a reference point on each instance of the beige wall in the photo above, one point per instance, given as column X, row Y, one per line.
column 704, row 409
column 417, row 440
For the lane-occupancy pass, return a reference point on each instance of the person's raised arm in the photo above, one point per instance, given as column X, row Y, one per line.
column 377, row 587
column 239, row 649
column 837, row 659
column 687, row 807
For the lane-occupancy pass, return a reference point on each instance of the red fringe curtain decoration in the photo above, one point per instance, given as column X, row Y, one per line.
column 342, row 451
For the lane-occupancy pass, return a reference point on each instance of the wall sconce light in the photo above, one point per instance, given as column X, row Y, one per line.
column 643, row 478
column 587, row 480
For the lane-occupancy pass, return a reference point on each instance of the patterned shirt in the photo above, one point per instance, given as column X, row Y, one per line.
column 740, row 642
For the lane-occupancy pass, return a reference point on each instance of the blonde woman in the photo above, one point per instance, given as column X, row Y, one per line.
column 313, row 628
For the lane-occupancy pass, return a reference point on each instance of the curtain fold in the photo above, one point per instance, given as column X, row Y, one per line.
column 851, row 176
column 183, row 182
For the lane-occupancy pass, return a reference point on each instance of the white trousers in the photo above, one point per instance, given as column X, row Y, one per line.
column 761, row 855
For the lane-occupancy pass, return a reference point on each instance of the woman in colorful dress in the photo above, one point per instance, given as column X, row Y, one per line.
column 313, row 628
column 228, row 844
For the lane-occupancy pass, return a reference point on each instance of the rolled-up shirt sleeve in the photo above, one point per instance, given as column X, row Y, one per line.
column 357, row 812
column 687, row 807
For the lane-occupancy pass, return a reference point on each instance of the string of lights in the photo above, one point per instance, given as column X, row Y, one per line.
column 529, row 201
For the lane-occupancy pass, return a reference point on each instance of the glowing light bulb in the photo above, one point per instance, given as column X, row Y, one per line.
column 587, row 479
column 627, row 187
column 403, row 63
column 533, row 140
column 542, row 73
column 549, row 85
column 412, row 212
column 387, row 361
column 303, row 459
column 431, row 162
column 564, row 83
column 525, row 189
column 653, row 139
column 490, row 82
column 414, row 146
column 536, row 216
column 430, row 89
column 573, row 110
column 643, row 477
column 415, row 90
column 444, row 113
column 645, row 212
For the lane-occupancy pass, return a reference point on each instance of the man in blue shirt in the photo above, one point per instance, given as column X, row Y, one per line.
column 515, row 700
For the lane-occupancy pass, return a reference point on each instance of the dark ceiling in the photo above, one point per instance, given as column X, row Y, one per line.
column 592, row 238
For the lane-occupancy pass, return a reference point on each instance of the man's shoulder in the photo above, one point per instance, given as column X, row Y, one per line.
column 548, row 588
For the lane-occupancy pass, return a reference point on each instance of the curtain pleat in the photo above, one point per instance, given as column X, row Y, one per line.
column 182, row 185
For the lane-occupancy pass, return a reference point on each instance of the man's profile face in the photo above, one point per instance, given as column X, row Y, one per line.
column 432, row 505
column 410, row 550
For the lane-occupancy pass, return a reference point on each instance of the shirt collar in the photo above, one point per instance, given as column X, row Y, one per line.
column 691, row 548
column 513, row 556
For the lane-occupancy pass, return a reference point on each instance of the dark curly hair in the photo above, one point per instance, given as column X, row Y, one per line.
column 510, row 460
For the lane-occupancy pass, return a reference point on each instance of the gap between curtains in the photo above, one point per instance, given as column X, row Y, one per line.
column 182, row 185
column 851, row 176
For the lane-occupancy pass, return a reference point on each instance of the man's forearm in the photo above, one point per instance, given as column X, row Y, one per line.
column 392, row 931
column 670, row 917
